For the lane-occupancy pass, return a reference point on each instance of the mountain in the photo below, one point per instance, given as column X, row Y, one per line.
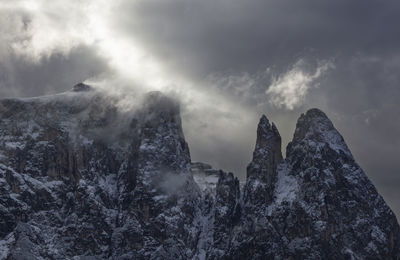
column 81, row 178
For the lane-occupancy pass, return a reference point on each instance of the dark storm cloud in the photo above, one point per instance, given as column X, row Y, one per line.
column 251, row 35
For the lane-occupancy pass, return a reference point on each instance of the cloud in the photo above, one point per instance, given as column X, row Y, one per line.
column 290, row 89
column 47, row 47
column 54, row 74
column 41, row 28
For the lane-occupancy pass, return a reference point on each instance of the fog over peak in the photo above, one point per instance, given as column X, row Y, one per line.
column 228, row 62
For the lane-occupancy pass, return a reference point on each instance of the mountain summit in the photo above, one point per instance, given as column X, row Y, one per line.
column 81, row 179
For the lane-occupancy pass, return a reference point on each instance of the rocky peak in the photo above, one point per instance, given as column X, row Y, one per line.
column 161, row 110
column 310, row 124
column 267, row 153
column 261, row 172
column 161, row 130
column 81, row 87
column 315, row 129
column 156, row 103
column 329, row 195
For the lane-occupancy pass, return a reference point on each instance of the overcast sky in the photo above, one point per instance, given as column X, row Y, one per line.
column 229, row 61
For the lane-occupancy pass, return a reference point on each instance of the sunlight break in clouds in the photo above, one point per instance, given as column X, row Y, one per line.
column 289, row 91
column 56, row 27
column 41, row 28
column 48, row 27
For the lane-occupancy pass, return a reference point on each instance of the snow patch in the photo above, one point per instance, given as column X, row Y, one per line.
column 335, row 141
column 207, row 183
column 14, row 145
column 5, row 245
column 378, row 235
column 108, row 184
column 286, row 186
column 326, row 133
column 206, row 224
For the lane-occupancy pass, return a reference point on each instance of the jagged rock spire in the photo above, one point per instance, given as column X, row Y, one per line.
column 261, row 172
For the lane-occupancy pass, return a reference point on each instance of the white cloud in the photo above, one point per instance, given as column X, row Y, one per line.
column 289, row 90
column 36, row 29
column 41, row 28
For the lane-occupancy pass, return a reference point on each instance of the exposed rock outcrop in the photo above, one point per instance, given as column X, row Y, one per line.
column 80, row 179
column 261, row 172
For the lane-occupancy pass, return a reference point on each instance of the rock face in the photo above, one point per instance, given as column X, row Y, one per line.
column 79, row 178
column 333, row 211
column 82, row 179
column 262, row 171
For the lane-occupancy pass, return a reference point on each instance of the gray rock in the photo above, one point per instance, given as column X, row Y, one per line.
column 261, row 172
column 79, row 179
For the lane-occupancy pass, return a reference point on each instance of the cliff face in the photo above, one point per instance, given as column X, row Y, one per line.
column 324, row 206
column 81, row 179
column 262, row 171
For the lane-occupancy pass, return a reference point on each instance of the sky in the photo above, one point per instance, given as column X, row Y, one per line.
column 228, row 62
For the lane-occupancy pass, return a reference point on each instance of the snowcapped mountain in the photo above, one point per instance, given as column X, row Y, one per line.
column 81, row 179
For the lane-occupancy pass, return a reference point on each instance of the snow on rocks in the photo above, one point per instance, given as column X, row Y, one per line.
column 286, row 186
column 69, row 189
